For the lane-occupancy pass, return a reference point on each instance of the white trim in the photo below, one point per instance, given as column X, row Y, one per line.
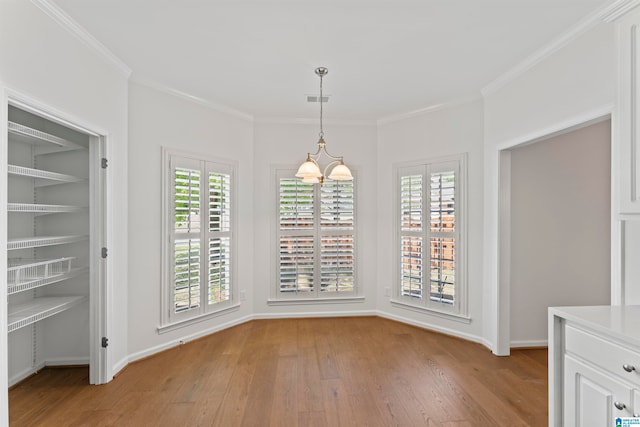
column 570, row 124
column 296, row 315
column 65, row 21
column 192, row 98
column 4, row 158
column 426, row 167
column 26, row 373
column 313, row 121
column 619, row 8
column 603, row 14
column 196, row 319
column 501, row 308
column 529, row 343
column 311, row 301
column 169, row 320
column 449, row 315
column 427, row 110
column 435, row 328
column 183, row 339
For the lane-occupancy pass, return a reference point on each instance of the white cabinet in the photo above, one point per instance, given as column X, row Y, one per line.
column 594, row 364
column 52, row 238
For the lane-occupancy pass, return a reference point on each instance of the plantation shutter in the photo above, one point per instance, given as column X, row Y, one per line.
column 219, row 212
column 316, row 237
column 201, row 235
column 296, row 235
column 187, row 241
column 411, row 239
column 337, row 239
column 442, row 235
column 433, row 187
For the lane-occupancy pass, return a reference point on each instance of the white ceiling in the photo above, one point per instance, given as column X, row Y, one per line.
column 384, row 57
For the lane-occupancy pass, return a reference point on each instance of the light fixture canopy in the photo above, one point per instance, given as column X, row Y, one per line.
column 310, row 170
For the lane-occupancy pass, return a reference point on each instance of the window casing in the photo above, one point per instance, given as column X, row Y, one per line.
column 430, row 230
column 198, row 230
column 315, row 238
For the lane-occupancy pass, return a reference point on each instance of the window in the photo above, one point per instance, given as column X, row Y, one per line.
column 198, row 243
column 315, row 235
column 430, row 227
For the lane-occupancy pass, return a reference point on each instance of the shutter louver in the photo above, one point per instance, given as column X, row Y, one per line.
column 187, row 200
column 336, row 205
column 411, row 202
column 296, row 205
column 187, row 274
column 442, row 269
column 219, row 202
column 219, row 270
column 411, row 264
column 336, row 265
column 296, row 263
column 443, row 202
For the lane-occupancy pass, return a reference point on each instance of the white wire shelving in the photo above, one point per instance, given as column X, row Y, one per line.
column 25, row 314
column 48, row 143
column 39, row 241
column 25, row 274
column 43, row 177
column 43, row 209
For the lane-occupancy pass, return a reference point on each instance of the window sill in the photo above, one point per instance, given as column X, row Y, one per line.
column 197, row 319
column 310, row 301
column 437, row 313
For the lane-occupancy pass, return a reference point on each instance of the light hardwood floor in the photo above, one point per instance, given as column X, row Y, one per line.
column 362, row 371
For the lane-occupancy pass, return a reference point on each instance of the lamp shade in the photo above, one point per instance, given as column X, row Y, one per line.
column 341, row 173
column 308, row 170
column 311, row 180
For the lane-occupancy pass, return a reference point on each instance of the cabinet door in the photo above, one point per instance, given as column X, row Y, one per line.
column 592, row 398
column 628, row 105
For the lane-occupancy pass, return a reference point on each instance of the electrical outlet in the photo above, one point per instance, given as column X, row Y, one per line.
column 387, row 292
column 243, row 295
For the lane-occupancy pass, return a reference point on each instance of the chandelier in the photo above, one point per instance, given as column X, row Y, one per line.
column 310, row 171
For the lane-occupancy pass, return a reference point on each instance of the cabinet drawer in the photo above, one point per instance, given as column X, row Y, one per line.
column 603, row 354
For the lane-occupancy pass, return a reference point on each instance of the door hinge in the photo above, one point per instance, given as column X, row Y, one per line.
column 104, row 252
column 105, row 342
column 104, row 163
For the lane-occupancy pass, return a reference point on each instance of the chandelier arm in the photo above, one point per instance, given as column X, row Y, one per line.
column 335, row 162
column 330, row 156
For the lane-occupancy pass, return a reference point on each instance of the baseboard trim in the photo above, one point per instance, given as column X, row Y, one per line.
column 435, row 328
column 522, row 344
column 184, row 339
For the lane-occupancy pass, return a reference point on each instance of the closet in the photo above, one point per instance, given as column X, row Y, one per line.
column 55, row 234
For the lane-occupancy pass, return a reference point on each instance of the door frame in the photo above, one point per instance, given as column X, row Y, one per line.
column 99, row 357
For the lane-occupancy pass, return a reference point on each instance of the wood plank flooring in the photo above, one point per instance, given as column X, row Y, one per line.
column 361, row 371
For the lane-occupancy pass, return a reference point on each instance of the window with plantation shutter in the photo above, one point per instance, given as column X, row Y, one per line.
column 430, row 199
column 198, row 241
column 315, row 238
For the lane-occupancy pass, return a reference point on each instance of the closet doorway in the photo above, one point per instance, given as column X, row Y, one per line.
column 56, row 244
column 555, row 228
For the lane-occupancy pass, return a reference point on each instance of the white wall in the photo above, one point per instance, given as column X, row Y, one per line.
column 560, row 228
column 44, row 63
column 158, row 119
column 278, row 144
column 575, row 84
column 454, row 130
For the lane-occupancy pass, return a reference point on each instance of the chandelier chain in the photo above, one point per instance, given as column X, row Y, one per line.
column 321, row 130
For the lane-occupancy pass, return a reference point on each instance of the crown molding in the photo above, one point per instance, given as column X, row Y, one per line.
column 310, row 121
column 606, row 13
column 65, row 21
column 619, row 8
column 192, row 98
column 427, row 110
